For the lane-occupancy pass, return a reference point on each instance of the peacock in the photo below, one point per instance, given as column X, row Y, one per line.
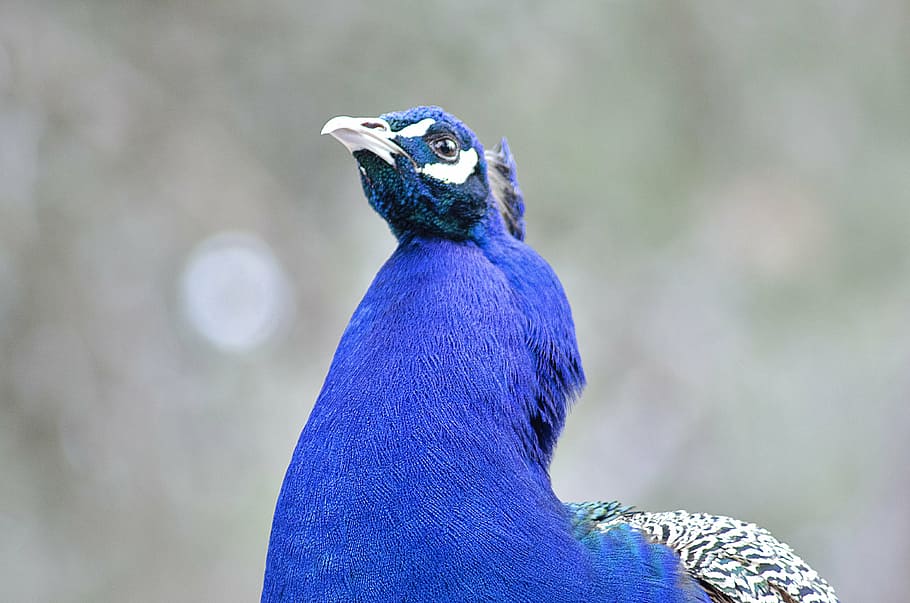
column 422, row 473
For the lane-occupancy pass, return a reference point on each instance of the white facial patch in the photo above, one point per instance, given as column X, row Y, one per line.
column 453, row 173
column 418, row 129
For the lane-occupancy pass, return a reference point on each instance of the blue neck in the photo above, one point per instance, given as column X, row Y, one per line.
column 422, row 473
column 402, row 447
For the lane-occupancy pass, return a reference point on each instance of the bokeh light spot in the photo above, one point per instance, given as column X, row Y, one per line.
column 234, row 292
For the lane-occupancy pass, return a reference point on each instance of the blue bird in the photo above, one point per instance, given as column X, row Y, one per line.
column 422, row 473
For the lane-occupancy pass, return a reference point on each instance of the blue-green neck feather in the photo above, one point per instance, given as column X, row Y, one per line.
column 429, row 423
column 422, row 472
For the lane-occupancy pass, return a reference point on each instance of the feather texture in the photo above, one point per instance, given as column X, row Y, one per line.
column 735, row 561
column 504, row 188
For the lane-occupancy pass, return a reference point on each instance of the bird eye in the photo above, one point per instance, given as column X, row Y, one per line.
column 445, row 147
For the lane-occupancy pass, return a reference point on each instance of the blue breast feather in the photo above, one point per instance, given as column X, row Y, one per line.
column 422, row 473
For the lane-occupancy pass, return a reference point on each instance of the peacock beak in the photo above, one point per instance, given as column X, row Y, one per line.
column 371, row 134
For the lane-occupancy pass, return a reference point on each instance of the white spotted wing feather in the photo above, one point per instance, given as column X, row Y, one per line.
column 735, row 561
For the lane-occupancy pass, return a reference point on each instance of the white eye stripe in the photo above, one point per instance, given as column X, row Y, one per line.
column 415, row 130
column 453, row 173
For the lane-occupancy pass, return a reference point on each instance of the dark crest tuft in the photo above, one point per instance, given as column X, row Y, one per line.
column 504, row 186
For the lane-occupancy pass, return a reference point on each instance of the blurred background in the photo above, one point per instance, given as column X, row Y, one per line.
column 725, row 193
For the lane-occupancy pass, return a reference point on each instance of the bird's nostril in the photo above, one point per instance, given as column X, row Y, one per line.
column 374, row 125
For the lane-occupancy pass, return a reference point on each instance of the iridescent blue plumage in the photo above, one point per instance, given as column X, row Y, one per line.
column 422, row 473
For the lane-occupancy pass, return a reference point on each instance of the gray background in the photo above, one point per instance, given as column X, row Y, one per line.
column 725, row 193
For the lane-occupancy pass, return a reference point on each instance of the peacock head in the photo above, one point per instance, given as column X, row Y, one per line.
column 422, row 170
